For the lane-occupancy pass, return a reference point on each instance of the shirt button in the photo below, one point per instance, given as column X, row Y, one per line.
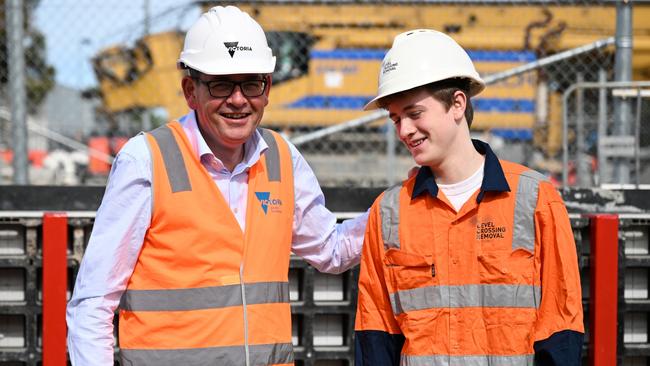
column 454, row 261
column 235, row 210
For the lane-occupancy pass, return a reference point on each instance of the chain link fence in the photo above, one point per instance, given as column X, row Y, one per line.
column 606, row 142
column 97, row 73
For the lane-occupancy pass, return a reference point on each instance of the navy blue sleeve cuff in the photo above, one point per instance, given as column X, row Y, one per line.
column 563, row 348
column 377, row 348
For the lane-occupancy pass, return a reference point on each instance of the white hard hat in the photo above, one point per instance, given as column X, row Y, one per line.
column 420, row 57
column 226, row 41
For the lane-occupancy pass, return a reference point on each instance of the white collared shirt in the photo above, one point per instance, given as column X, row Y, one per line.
column 459, row 193
column 125, row 214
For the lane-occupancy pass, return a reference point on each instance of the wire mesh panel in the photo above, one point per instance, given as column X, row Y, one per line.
column 99, row 72
column 606, row 140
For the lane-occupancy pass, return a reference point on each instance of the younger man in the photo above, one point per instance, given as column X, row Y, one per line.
column 471, row 261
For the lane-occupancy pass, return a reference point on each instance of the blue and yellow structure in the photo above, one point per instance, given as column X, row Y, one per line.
column 338, row 48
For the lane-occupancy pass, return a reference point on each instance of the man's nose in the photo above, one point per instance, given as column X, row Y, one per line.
column 237, row 97
column 405, row 128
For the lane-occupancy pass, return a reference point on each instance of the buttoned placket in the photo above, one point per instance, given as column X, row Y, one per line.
column 228, row 184
column 456, row 244
column 452, row 252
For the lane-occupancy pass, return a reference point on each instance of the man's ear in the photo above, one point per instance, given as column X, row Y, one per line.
column 269, row 82
column 189, row 91
column 459, row 104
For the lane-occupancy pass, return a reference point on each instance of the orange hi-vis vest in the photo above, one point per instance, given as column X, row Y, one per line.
column 203, row 292
column 466, row 288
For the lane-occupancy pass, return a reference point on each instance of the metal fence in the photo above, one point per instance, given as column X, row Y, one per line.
column 595, row 151
column 96, row 73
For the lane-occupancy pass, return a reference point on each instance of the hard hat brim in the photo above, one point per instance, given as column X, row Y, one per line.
column 242, row 67
column 477, row 85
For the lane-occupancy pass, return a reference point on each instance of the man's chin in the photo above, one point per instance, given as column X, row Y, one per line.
column 420, row 160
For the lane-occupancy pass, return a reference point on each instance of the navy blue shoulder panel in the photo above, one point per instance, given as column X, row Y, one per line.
column 563, row 348
column 377, row 348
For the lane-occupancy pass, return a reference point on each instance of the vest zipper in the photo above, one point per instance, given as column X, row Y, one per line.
column 243, row 299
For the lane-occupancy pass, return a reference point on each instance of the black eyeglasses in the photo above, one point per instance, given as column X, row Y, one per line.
column 224, row 88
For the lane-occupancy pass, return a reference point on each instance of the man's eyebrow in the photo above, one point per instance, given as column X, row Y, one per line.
column 405, row 109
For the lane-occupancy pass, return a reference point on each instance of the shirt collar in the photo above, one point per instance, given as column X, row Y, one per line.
column 494, row 180
column 253, row 148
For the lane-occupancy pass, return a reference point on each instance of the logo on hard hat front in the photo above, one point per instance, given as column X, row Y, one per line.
column 388, row 66
column 233, row 47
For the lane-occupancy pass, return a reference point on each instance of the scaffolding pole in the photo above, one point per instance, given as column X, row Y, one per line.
column 623, row 73
column 17, row 94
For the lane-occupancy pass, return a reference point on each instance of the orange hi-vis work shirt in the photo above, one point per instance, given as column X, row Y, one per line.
column 203, row 292
column 476, row 287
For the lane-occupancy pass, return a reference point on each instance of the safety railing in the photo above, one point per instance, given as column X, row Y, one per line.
column 603, row 145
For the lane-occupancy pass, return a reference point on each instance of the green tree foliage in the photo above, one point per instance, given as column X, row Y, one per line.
column 39, row 76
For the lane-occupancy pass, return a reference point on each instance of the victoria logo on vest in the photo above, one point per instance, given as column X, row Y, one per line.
column 275, row 204
column 234, row 46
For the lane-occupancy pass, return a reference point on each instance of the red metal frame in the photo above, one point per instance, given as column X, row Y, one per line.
column 603, row 299
column 55, row 281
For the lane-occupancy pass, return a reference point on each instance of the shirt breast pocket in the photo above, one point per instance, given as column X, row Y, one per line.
column 506, row 266
column 409, row 270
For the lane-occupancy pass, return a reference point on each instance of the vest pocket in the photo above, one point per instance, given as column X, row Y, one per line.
column 493, row 267
column 409, row 270
column 522, row 265
column 506, row 265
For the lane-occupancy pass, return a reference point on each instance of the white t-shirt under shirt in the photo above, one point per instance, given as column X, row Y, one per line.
column 459, row 193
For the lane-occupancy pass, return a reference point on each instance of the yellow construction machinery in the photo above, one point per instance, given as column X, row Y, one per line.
column 329, row 56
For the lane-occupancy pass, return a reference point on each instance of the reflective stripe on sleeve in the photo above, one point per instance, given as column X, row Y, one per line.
column 483, row 360
column 272, row 156
column 389, row 211
column 465, row 296
column 204, row 297
column 523, row 233
column 264, row 354
column 173, row 158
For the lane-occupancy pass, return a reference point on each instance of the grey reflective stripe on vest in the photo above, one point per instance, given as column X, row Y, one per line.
column 464, row 296
column 204, row 297
column 523, row 233
column 272, row 156
column 389, row 211
column 173, row 158
column 446, row 360
column 264, row 354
